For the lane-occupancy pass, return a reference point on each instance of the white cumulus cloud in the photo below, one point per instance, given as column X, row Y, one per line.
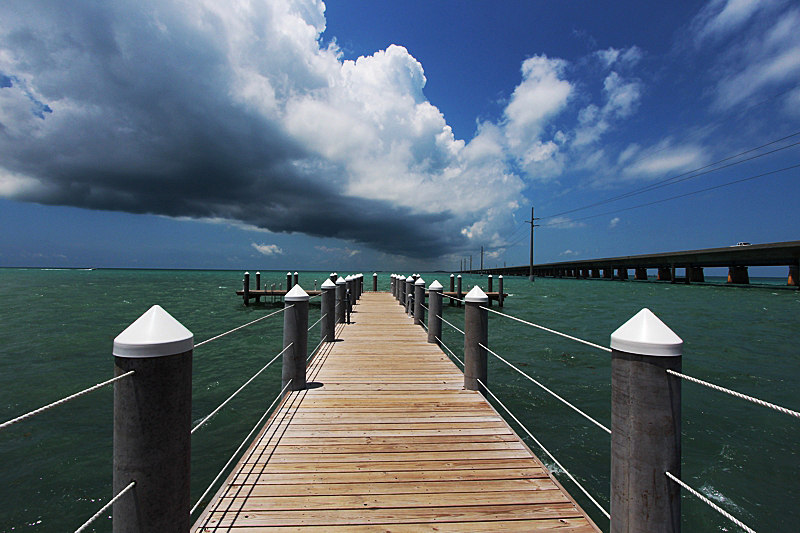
column 268, row 249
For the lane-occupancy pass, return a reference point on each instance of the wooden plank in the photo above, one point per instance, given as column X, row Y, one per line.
column 396, row 445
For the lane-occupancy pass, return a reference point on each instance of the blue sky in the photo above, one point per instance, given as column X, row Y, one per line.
column 394, row 135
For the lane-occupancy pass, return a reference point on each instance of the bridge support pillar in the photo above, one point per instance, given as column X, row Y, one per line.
column 640, row 274
column 595, row 272
column 664, row 274
column 738, row 274
column 646, row 426
column 622, row 273
column 608, row 273
column 695, row 274
column 672, row 273
column 794, row 276
column 476, row 332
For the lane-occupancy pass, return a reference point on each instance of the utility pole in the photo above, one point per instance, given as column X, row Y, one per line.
column 481, row 259
column 533, row 225
column 470, row 263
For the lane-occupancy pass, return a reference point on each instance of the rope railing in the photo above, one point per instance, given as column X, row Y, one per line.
column 449, row 350
column 711, row 504
column 215, row 411
column 63, row 401
column 449, row 324
column 562, row 400
column 317, row 322
column 243, row 326
column 783, row 410
column 99, row 513
column 593, row 345
column 600, row 507
column 245, row 441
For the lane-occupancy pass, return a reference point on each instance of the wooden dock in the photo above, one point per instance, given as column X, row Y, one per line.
column 385, row 439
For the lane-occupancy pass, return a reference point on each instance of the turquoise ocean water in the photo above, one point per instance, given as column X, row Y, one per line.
column 57, row 329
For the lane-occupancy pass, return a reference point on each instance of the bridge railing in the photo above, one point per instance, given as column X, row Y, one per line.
column 645, row 406
column 153, row 403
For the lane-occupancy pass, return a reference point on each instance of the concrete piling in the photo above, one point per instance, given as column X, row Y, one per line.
column 452, row 289
column 295, row 332
column 476, row 330
column 288, row 281
column 152, row 424
column 401, row 290
column 296, row 279
column 341, row 304
column 258, row 285
column 328, row 322
column 435, row 311
column 645, row 426
column 459, row 294
column 419, row 301
column 489, row 288
column 374, row 282
column 246, row 288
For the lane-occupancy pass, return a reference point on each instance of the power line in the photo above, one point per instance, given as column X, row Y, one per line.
column 674, row 179
column 687, row 194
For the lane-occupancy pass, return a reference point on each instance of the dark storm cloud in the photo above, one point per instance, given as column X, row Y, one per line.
column 142, row 120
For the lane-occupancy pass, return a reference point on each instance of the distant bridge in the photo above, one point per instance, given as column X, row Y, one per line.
column 736, row 258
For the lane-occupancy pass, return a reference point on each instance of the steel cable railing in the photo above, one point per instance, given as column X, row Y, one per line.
column 562, row 400
column 63, row 400
column 593, row 345
column 215, row 411
column 245, row 441
column 317, row 322
column 449, row 350
column 449, row 324
column 314, row 351
column 762, row 403
column 600, row 507
column 714, row 506
column 243, row 326
column 99, row 513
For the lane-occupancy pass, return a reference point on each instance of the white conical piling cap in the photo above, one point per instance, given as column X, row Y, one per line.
column 476, row 295
column 646, row 334
column 297, row 294
column 154, row 334
column 328, row 284
column 420, row 281
column 435, row 286
column 247, row 273
column 459, row 275
column 288, row 273
column 452, row 275
column 374, row 274
column 296, row 273
column 411, row 277
column 500, row 276
column 402, row 277
column 340, row 281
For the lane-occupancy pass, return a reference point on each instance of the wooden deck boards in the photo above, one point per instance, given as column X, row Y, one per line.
column 388, row 441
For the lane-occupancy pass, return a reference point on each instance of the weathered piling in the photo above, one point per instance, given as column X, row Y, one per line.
column 328, row 322
column 258, row 285
column 501, row 296
column 435, row 311
column 246, row 288
column 296, row 279
column 459, row 294
column 419, row 300
column 374, row 282
column 288, row 281
column 452, row 289
column 295, row 332
column 645, row 426
column 341, row 295
column 476, row 332
column 152, row 424
column 392, row 286
column 489, row 289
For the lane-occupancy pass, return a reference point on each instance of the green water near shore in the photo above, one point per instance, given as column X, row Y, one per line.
column 57, row 328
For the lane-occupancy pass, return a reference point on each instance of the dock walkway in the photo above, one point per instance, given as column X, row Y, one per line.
column 385, row 439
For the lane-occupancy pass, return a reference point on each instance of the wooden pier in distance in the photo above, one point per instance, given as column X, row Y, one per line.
column 386, row 439
column 278, row 294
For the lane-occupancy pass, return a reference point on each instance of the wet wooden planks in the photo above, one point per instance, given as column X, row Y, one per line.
column 386, row 440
